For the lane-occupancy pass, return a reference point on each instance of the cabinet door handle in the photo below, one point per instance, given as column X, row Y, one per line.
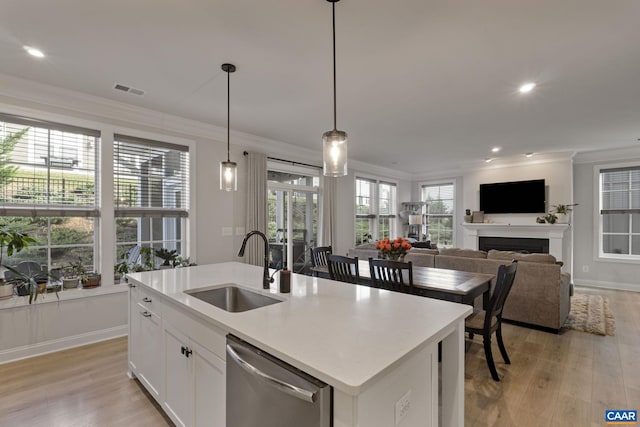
column 187, row 351
column 131, row 285
column 182, row 349
column 146, row 299
column 146, row 314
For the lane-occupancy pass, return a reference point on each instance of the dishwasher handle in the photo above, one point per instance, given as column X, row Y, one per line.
column 300, row 393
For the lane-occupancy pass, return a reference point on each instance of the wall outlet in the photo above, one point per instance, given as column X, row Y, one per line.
column 585, row 268
column 402, row 407
column 227, row 231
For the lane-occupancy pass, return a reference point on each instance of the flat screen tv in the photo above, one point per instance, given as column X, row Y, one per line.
column 513, row 197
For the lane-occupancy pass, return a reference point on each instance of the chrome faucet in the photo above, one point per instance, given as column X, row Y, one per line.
column 266, row 280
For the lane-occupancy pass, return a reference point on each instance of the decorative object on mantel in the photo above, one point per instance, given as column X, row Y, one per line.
column 562, row 212
column 467, row 215
column 477, row 216
column 591, row 313
column 393, row 249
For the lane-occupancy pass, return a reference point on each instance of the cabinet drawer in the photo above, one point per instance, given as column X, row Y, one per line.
column 205, row 334
column 149, row 300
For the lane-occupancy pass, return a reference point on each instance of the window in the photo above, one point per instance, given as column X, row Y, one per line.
column 620, row 212
column 292, row 198
column 439, row 213
column 48, row 189
column 151, row 194
column 375, row 210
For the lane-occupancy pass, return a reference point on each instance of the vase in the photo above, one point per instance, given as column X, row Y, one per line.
column 562, row 218
column 393, row 257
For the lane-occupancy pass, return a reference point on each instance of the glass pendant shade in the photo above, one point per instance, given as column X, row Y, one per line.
column 334, row 153
column 228, row 176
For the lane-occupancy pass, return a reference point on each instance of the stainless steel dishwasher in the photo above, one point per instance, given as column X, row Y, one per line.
column 263, row 391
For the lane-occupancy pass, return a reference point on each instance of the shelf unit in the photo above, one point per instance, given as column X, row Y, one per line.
column 411, row 209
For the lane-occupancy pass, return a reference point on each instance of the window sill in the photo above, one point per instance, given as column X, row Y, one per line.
column 622, row 260
column 64, row 295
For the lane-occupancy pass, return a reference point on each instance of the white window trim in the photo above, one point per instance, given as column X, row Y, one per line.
column 105, row 228
column 375, row 207
column 457, row 202
column 598, row 255
column 278, row 166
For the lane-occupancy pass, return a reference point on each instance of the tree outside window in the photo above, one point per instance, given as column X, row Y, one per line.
column 439, row 212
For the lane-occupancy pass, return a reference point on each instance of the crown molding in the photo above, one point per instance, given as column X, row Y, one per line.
column 611, row 154
column 498, row 163
column 102, row 109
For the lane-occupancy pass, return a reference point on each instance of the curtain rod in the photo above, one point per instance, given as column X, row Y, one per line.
column 246, row 153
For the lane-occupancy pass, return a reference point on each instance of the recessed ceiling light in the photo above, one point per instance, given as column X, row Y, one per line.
column 495, row 149
column 529, row 154
column 527, row 87
column 34, row 52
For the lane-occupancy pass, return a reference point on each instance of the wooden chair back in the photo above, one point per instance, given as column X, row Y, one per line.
column 504, row 283
column 319, row 255
column 343, row 269
column 393, row 275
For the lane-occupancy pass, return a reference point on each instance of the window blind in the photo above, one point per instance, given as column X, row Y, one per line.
column 47, row 169
column 620, row 190
column 151, row 178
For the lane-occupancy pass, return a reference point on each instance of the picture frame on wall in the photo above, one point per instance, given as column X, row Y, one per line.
column 477, row 216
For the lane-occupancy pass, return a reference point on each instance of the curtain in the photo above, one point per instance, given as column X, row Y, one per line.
column 256, row 206
column 328, row 233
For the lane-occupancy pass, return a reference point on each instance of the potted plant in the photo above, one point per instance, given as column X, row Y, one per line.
column 14, row 241
column 71, row 274
column 91, row 280
column 148, row 262
column 562, row 212
column 120, row 270
column 31, row 283
column 168, row 256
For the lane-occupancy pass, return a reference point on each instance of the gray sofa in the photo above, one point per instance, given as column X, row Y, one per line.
column 541, row 292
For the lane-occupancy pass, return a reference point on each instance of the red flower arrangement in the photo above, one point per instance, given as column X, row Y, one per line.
column 393, row 249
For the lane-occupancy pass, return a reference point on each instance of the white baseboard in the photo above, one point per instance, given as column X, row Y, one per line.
column 32, row 350
column 608, row 285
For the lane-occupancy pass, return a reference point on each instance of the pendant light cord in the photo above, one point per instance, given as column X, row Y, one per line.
column 335, row 124
column 228, row 114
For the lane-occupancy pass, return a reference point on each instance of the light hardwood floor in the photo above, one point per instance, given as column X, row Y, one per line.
column 567, row 379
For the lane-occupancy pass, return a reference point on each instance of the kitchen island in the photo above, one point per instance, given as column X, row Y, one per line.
column 378, row 349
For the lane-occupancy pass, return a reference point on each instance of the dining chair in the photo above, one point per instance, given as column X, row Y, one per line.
column 343, row 269
column 487, row 322
column 392, row 275
column 319, row 256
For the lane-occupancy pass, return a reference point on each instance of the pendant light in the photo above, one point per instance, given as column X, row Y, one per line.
column 334, row 142
column 228, row 169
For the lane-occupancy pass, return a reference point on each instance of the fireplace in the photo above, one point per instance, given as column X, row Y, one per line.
column 516, row 244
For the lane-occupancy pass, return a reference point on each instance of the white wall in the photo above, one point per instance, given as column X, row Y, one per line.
column 557, row 176
column 601, row 273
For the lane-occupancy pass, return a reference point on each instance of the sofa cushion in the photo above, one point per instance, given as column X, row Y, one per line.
column 422, row 245
column 510, row 255
column 465, row 253
column 423, row 251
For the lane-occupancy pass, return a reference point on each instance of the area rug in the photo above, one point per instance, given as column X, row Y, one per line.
column 591, row 313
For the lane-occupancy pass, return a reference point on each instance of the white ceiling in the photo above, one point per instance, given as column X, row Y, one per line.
column 422, row 84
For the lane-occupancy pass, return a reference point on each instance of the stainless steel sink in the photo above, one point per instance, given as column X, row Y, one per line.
column 233, row 298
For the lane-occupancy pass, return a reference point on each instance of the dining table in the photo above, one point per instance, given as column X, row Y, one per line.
column 439, row 283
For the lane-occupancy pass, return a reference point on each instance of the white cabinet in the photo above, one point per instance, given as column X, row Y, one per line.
column 145, row 340
column 194, row 382
column 178, row 377
column 209, row 388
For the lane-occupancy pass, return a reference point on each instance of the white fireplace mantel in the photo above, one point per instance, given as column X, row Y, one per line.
column 556, row 233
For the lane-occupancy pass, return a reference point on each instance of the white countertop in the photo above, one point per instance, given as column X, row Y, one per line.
column 342, row 334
